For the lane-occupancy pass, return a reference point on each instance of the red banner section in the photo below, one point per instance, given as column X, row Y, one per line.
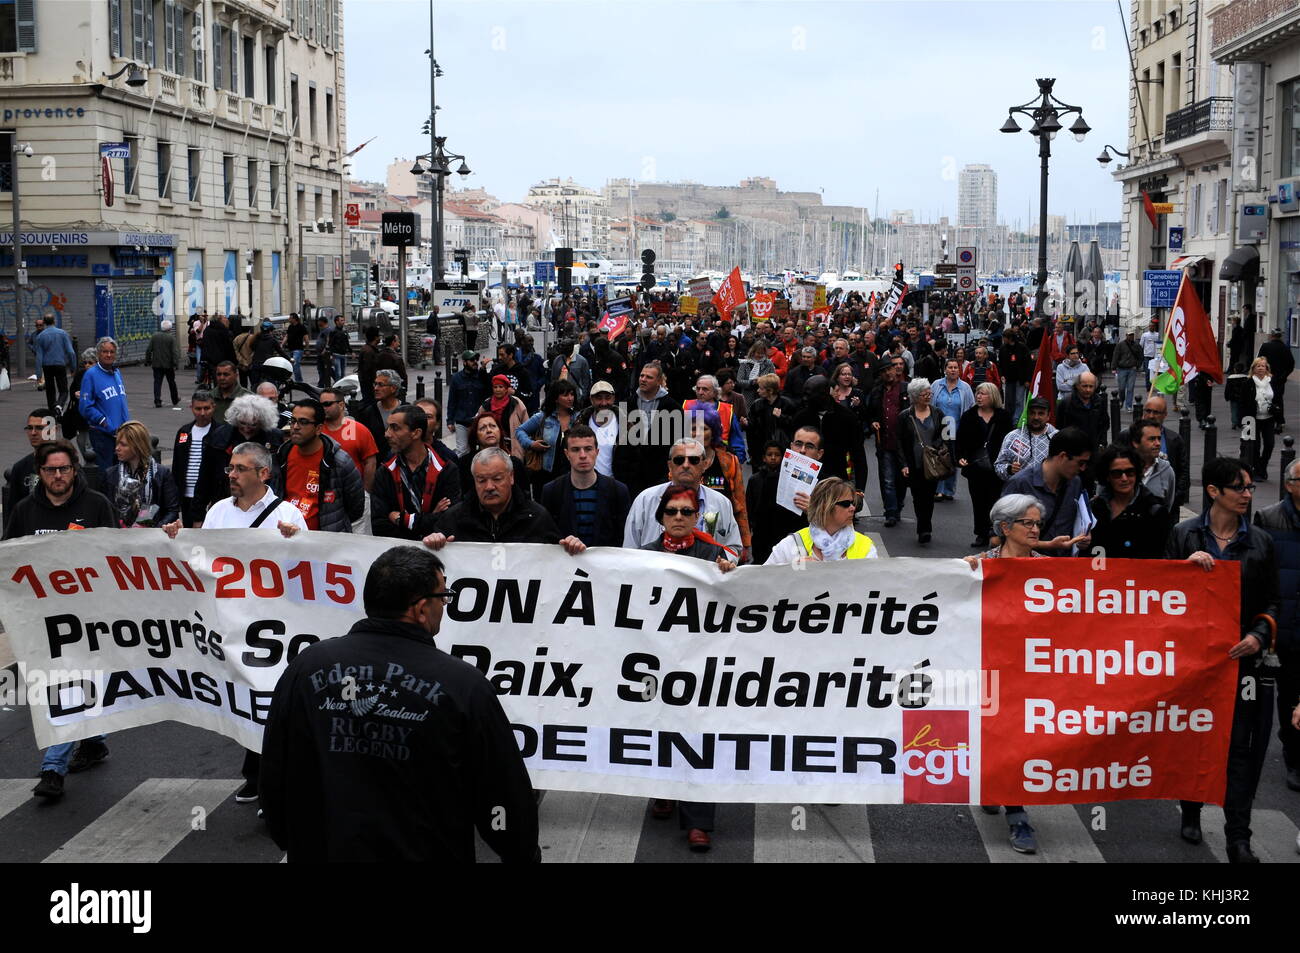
column 1114, row 683
column 936, row 757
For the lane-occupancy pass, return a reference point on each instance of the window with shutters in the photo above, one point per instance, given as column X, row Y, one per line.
column 233, row 46
column 196, row 43
column 169, row 36
column 27, row 26
column 195, row 173
column 164, row 170
column 329, row 116
column 115, row 27
column 293, row 104
column 218, row 61
column 131, row 167
column 293, row 15
column 311, row 110
column 1194, row 211
column 309, row 19
column 1221, row 213
column 137, row 28
column 249, row 47
column 271, row 76
column 180, row 41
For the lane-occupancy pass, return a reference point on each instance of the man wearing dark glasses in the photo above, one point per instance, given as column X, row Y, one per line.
column 685, row 466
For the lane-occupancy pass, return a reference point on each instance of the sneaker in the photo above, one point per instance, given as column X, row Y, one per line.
column 50, row 786
column 698, row 840
column 1022, row 839
column 247, row 794
column 88, row 754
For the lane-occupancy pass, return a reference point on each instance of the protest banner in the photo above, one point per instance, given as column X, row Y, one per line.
column 689, row 304
column 628, row 672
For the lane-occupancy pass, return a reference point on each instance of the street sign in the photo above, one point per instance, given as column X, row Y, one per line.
column 352, row 214
column 925, row 281
column 966, row 283
column 943, row 282
column 945, row 268
column 400, row 229
column 1252, row 223
column 966, row 256
column 1163, row 208
column 1176, row 238
column 115, row 150
column 1160, row 288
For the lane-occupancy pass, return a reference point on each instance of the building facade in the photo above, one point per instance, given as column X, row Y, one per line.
column 580, row 215
column 190, row 190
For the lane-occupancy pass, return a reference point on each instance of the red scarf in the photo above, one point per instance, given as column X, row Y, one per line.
column 672, row 545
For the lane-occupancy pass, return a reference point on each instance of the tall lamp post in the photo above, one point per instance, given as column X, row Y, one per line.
column 1047, row 112
column 20, row 273
column 439, row 167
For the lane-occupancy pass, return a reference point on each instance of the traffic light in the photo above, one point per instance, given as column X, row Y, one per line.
column 564, row 269
column 648, row 278
column 898, row 272
column 374, row 273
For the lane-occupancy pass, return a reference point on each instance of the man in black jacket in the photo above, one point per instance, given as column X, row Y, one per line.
column 61, row 501
column 39, row 428
column 344, row 782
column 649, row 424
column 843, row 451
column 199, row 457
column 495, row 513
column 584, row 503
column 1084, row 408
column 1280, row 364
column 416, row 484
column 1222, row 533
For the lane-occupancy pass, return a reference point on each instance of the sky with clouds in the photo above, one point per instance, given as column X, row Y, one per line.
column 847, row 97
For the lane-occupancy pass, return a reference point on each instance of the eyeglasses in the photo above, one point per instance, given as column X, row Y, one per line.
column 679, row 511
column 63, row 470
column 445, row 597
column 302, row 422
column 692, row 460
column 1127, row 473
column 1242, row 488
column 239, row 468
column 802, row 445
column 1029, row 524
column 845, row 504
column 330, row 403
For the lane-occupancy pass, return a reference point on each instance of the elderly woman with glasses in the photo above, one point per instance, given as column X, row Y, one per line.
column 676, row 513
column 1132, row 522
column 830, row 534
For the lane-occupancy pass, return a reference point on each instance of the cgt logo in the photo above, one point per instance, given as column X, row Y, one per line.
column 936, row 757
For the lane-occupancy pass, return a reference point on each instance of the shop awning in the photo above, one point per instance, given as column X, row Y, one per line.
column 1187, row 261
column 1243, row 263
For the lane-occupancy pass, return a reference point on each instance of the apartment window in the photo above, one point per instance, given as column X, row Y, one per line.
column 164, row 170
column 1158, row 98
column 195, row 38
column 1176, row 87
column 293, row 102
column 1221, row 211
column 302, row 204
column 270, row 75
column 1173, row 19
column 252, row 183
column 274, row 171
column 306, row 18
column 249, row 47
column 194, row 171
column 228, row 179
column 320, row 211
column 311, row 109
column 329, row 116
column 1289, row 145
column 218, row 59
column 131, row 168
column 17, row 26
column 1194, row 199
column 6, row 160
column 233, row 37
column 177, row 40
column 1143, row 37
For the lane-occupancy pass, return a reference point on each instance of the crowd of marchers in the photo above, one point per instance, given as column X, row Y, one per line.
column 670, row 437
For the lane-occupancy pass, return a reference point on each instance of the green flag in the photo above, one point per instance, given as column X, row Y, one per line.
column 1169, row 380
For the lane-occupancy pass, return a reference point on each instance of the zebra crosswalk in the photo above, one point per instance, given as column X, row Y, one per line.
column 197, row 820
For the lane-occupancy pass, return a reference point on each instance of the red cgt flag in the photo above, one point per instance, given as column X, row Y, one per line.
column 1150, row 208
column 731, row 294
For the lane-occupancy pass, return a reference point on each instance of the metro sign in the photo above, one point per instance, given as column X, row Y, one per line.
column 400, row 229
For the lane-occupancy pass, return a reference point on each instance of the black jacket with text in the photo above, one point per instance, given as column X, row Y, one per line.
column 405, row 768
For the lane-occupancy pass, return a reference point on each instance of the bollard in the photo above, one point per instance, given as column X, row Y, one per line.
column 419, row 387
column 1287, row 458
column 437, row 389
column 1115, row 412
column 1249, row 449
column 1211, row 452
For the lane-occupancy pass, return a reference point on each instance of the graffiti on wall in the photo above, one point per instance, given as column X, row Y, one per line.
column 127, row 315
column 35, row 300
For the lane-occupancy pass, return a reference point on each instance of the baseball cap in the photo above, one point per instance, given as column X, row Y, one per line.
column 468, row 355
column 1039, row 403
column 602, row 387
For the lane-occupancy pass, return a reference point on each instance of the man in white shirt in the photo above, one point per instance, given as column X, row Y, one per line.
column 604, row 422
column 251, row 504
column 685, row 466
column 1150, row 341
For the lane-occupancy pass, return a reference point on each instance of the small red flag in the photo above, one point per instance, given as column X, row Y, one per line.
column 1150, row 208
column 731, row 294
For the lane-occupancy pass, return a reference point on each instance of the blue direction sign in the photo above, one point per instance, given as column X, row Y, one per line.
column 543, row 272
column 1160, row 288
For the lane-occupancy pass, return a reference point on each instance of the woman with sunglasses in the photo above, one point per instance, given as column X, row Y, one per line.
column 1132, row 522
column 830, row 534
column 676, row 513
column 1223, row 532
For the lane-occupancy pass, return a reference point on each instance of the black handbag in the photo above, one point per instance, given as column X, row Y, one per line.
column 936, row 462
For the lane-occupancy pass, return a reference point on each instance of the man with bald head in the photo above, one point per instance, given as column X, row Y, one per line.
column 1084, row 408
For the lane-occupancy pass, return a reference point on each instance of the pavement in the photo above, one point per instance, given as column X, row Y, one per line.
column 140, row 805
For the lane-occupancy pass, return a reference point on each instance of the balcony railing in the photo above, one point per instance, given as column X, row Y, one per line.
column 1207, row 115
column 13, row 69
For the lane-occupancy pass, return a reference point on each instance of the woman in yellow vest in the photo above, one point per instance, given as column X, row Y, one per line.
column 830, row 534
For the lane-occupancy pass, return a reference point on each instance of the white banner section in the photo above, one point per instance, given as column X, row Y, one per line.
column 623, row 672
